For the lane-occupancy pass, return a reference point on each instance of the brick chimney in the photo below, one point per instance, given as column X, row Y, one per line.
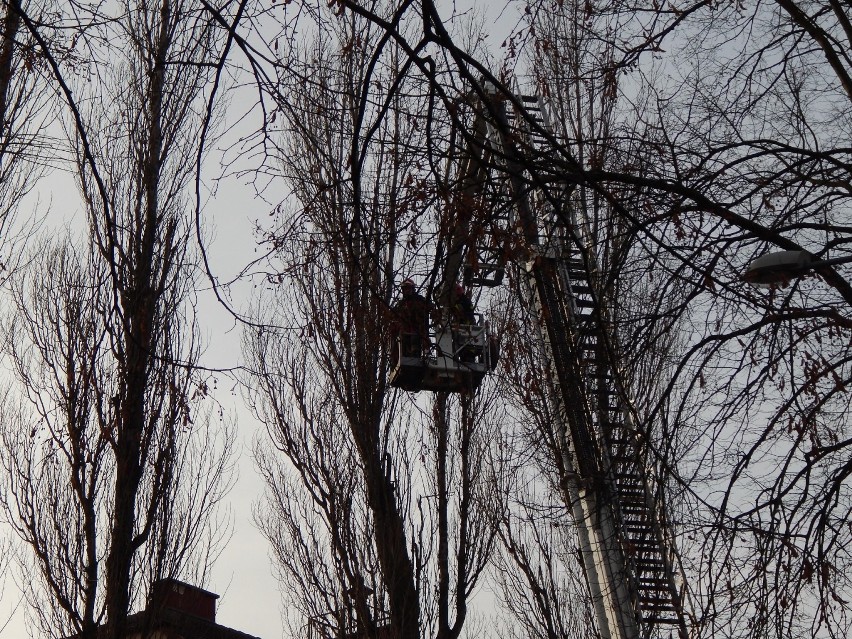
column 180, row 596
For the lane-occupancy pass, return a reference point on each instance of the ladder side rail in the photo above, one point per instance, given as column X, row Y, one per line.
column 613, row 598
column 673, row 568
column 673, row 563
column 593, row 388
column 579, row 226
column 627, row 436
column 605, row 574
column 609, row 563
column 647, row 527
column 618, row 594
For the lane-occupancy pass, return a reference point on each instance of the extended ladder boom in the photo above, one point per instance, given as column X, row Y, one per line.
column 626, row 547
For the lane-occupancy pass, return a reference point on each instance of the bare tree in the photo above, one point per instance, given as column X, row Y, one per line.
column 59, row 422
column 109, row 399
column 376, row 511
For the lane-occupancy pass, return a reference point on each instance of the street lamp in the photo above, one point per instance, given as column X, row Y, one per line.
column 782, row 266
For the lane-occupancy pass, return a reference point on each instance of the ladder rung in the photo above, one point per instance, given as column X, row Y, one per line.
column 656, row 570
column 647, row 546
column 630, row 490
column 631, row 496
column 602, row 375
column 629, row 485
column 659, row 609
column 656, row 619
column 625, row 492
column 648, row 583
column 638, row 524
column 624, row 477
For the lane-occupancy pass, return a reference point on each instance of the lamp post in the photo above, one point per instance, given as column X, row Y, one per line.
column 782, row 266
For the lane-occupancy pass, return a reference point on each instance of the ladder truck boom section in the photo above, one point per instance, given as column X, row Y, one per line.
column 626, row 548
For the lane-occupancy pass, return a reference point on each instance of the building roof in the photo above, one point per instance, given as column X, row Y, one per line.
column 175, row 624
column 178, row 610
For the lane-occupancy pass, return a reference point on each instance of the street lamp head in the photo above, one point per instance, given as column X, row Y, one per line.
column 778, row 268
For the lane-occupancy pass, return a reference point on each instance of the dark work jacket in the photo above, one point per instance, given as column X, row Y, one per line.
column 412, row 314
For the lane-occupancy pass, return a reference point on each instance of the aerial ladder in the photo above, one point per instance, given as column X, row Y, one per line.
column 518, row 216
